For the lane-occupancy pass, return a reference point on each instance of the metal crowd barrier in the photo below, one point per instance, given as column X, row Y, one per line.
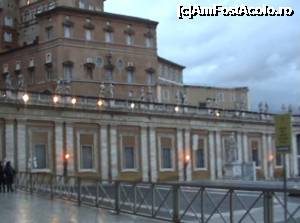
column 174, row 202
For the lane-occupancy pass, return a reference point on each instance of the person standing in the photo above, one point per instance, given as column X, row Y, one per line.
column 9, row 174
column 2, row 178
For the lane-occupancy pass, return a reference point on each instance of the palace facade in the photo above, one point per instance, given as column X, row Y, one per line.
column 134, row 140
column 82, row 82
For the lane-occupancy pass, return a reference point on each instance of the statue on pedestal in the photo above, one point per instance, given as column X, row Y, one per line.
column 111, row 91
column 62, row 88
column 231, row 149
column 142, row 97
column 20, row 81
column 8, row 83
column 101, row 90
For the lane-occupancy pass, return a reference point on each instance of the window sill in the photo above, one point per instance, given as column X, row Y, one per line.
column 40, row 171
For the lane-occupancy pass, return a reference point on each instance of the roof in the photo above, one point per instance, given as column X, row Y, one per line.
column 221, row 88
column 97, row 13
column 170, row 62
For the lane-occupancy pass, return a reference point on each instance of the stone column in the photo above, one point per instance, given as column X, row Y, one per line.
column 70, row 148
column 288, row 165
column 144, row 154
column 265, row 155
column 239, row 146
column 153, row 156
column 10, row 141
column 21, row 145
column 59, row 148
column 180, row 154
column 294, row 158
column 188, row 150
column 113, row 153
column 269, row 154
column 245, row 147
column 211, row 156
column 219, row 155
column 104, row 153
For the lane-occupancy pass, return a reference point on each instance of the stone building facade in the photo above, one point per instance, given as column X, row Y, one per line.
column 75, row 47
column 133, row 140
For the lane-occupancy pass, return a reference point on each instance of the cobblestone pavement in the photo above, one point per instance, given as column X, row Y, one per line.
column 25, row 208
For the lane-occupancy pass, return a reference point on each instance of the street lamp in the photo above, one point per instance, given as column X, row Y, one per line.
column 55, row 99
column 73, row 101
column 65, row 163
column 25, row 98
column 187, row 160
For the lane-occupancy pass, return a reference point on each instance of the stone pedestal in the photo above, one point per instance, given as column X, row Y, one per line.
column 233, row 170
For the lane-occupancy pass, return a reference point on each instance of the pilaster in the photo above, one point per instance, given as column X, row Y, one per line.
column 211, row 156
column 153, row 156
column 104, row 152
column 113, row 152
column 144, row 154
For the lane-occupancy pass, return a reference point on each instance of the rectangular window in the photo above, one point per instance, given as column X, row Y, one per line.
column 86, row 157
column 8, row 37
column 166, row 153
column 109, row 75
column 200, row 154
column 40, row 156
column 149, row 42
column 129, row 77
column 67, row 32
column 129, row 156
column 88, row 35
column 49, row 73
column 68, row 73
column 166, row 158
column 108, row 37
column 150, row 78
column 129, row 40
column 129, row 160
column 31, row 76
column 49, row 33
column 8, row 21
column 279, row 159
column 255, row 153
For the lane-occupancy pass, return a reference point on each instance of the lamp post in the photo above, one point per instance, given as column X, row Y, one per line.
column 187, row 160
column 65, row 163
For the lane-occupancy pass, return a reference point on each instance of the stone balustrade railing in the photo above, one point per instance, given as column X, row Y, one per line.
column 112, row 104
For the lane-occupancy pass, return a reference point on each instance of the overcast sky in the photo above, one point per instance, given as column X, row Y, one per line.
column 262, row 53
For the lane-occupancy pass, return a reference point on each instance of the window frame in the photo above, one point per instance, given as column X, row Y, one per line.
column 135, row 154
column 46, row 157
column 172, row 150
column 259, row 151
column 195, row 146
column 81, row 169
column 8, row 37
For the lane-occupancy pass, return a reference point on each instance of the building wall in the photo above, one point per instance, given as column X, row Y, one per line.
column 224, row 98
column 148, row 132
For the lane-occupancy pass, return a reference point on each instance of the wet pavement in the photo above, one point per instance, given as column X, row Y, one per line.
column 25, row 208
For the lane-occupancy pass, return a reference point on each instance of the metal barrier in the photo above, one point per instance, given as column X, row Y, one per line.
column 175, row 202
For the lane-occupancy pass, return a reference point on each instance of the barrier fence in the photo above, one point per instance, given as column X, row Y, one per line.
column 174, row 202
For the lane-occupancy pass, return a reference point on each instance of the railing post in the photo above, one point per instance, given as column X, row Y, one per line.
column 176, row 203
column 117, row 197
column 51, row 186
column 231, row 208
column 79, row 191
column 97, row 195
column 152, row 199
column 268, row 207
column 30, row 183
column 202, row 205
column 134, row 197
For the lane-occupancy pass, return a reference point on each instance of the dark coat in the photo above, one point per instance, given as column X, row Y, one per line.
column 1, row 174
column 9, row 174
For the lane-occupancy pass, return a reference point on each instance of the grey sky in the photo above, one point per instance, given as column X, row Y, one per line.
column 262, row 53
